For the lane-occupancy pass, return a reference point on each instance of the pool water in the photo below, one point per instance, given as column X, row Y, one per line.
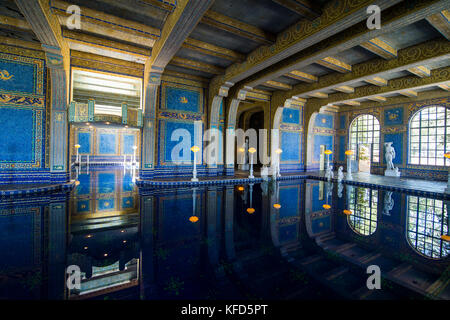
column 299, row 239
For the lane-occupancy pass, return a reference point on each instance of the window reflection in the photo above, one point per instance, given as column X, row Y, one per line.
column 427, row 221
column 363, row 203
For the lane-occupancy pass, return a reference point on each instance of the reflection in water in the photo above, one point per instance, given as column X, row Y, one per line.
column 363, row 203
column 202, row 243
column 427, row 221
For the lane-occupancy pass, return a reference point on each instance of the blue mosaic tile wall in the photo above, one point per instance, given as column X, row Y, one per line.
column 180, row 107
column 291, row 139
column 23, row 156
column 321, row 132
column 104, row 144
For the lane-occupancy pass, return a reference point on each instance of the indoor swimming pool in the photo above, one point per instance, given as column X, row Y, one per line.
column 293, row 239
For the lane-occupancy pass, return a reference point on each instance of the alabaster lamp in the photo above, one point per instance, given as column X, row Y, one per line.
column 195, row 149
column 278, row 152
column 77, row 160
column 328, row 152
column 251, row 151
column 349, row 153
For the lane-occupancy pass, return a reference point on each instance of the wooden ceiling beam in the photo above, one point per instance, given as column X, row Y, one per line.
column 302, row 76
column 304, row 8
column 335, row 64
column 380, row 48
column 213, row 50
column 277, row 85
column 236, row 27
column 345, row 89
column 377, row 81
column 441, row 22
column 196, row 65
column 420, row 71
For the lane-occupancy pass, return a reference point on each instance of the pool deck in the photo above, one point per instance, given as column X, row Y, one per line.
column 419, row 186
column 8, row 190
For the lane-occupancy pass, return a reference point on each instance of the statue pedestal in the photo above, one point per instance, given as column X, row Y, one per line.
column 244, row 167
column 392, row 173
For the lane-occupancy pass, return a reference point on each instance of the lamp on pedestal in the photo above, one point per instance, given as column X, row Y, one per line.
column 278, row 152
column 328, row 152
column 349, row 153
column 251, row 151
column 77, row 159
column 195, row 149
column 134, row 155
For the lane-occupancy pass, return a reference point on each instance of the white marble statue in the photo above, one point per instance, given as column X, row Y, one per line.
column 245, row 164
column 329, row 173
column 388, row 203
column 389, row 154
column 340, row 189
column 340, row 174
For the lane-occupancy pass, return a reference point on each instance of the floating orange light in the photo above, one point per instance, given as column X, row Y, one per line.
column 326, row 206
column 193, row 219
column 328, row 152
column 447, row 155
column 241, row 188
column 347, row 212
column 250, row 210
column 349, row 152
column 445, row 237
column 277, row 206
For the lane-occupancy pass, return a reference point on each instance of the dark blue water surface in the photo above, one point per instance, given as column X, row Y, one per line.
column 275, row 240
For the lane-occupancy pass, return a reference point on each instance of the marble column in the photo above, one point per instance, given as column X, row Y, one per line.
column 59, row 126
column 149, row 130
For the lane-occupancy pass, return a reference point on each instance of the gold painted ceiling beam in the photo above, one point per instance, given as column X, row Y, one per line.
column 444, row 86
column 409, row 93
column 20, row 43
column 420, row 71
column 352, row 103
column 277, row 85
column 212, row 50
column 97, row 18
column 14, row 23
column 236, row 27
column 430, row 51
column 378, row 99
column 196, row 65
column 441, row 22
column 75, row 36
column 377, row 81
column 177, row 27
column 163, row 5
column 335, row 64
column 438, row 77
column 261, row 95
column 315, row 51
column 302, row 7
column 107, row 48
column 345, row 89
column 302, row 76
column 109, row 26
column 380, row 48
column 320, row 95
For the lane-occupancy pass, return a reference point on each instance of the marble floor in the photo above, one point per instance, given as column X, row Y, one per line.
column 404, row 183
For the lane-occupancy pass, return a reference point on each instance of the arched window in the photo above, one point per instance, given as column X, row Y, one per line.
column 427, row 221
column 365, row 129
column 363, row 203
column 428, row 141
